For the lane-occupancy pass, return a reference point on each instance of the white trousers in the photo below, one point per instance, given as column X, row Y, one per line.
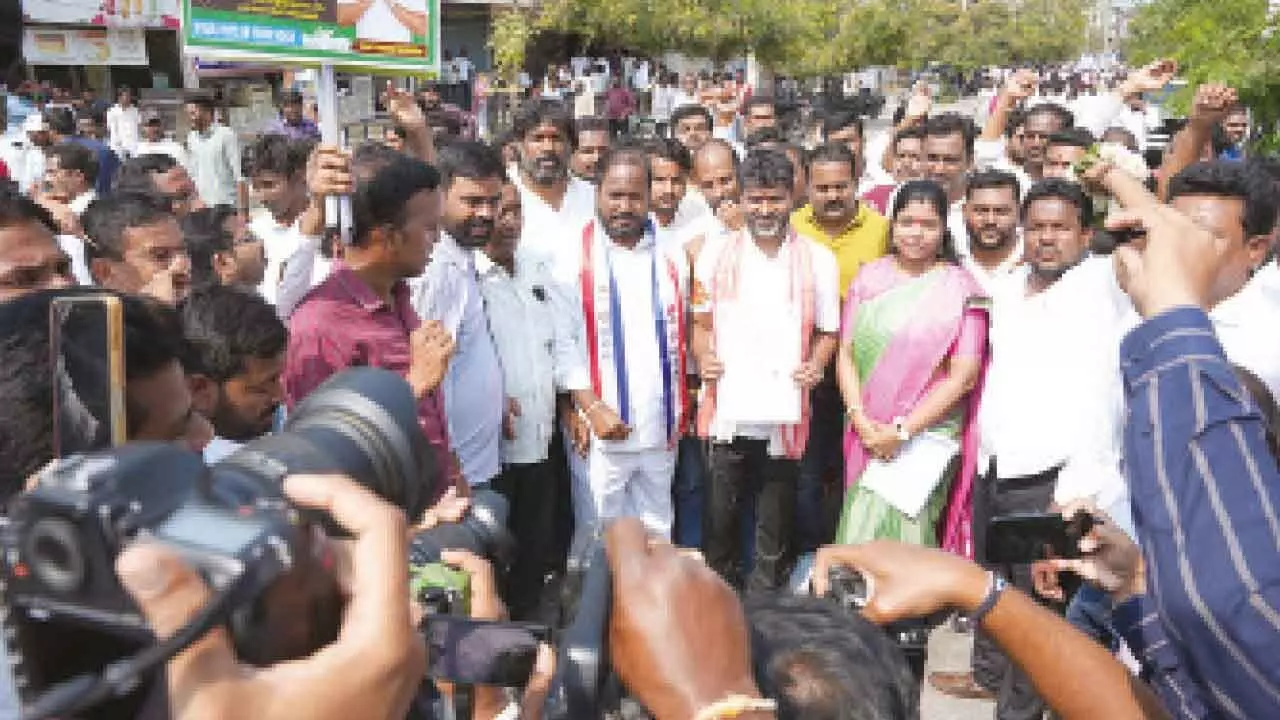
column 613, row 484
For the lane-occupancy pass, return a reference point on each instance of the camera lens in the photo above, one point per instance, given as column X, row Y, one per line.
column 482, row 532
column 362, row 423
column 53, row 553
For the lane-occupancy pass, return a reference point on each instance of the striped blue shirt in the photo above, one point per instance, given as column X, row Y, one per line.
column 1204, row 488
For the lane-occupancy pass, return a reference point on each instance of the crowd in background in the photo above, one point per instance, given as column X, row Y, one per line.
column 755, row 339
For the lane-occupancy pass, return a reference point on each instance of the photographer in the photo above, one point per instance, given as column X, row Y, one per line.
column 372, row 670
column 158, row 402
column 1075, row 676
column 237, row 347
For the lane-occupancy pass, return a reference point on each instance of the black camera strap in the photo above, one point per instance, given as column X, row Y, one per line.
column 122, row 676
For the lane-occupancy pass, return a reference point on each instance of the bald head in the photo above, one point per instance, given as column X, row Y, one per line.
column 715, row 172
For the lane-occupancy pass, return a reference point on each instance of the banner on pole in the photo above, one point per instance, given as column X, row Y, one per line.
column 386, row 35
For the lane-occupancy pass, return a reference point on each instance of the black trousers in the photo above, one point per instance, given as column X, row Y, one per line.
column 995, row 495
column 820, row 492
column 531, row 492
column 740, row 471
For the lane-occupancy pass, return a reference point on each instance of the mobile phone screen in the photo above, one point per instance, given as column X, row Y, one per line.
column 1028, row 537
column 479, row 652
column 86, row 362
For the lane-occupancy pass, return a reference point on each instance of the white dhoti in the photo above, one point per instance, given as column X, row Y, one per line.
column 609, row 484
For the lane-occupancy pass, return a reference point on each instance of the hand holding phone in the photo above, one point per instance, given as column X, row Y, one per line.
column 467, row 651
column 1022, row 538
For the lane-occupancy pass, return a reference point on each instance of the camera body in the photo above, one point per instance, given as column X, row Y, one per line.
column 67, row 614
column 59, row 543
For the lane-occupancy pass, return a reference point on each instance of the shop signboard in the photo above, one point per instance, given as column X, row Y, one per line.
column 84, row 46
column 384, row 35
column 108, row 13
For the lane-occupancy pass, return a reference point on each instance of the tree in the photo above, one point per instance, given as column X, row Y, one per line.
column 1224, row 41
column 825, row 37
column 509, row 40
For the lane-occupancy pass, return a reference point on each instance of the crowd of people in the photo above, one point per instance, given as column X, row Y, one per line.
column 856, row 352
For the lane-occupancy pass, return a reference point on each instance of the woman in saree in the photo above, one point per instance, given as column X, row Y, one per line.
column 912, row 351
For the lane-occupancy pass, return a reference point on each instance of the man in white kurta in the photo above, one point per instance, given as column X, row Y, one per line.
column 628, row 293
column 766, row 314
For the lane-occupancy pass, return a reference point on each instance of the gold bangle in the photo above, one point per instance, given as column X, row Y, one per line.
column 735, row 706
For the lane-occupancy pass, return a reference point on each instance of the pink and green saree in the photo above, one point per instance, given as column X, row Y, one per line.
column 902, row 331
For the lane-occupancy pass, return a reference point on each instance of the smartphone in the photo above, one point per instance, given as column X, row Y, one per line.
column 1027, row 537
column 466, row 651
column 86, row 360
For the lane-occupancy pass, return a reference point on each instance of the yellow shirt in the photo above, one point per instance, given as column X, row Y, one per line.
column 866, row 239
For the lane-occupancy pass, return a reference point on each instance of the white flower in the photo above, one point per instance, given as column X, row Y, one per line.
column 1120, row 157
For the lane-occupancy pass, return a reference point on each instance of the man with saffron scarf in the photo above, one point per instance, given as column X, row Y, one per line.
column 766, row 316
column 631, row 333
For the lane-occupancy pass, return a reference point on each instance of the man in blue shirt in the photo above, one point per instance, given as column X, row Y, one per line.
column 1203, row 482
column 292, row 123
column 62, row 124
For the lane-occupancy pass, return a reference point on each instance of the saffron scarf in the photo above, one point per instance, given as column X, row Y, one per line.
column 606, row 335
column 725, row 286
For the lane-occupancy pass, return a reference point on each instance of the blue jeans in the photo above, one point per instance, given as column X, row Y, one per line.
column 690, row 479
column 1090, row 612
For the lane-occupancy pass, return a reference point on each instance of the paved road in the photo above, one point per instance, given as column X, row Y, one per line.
column 949, row 651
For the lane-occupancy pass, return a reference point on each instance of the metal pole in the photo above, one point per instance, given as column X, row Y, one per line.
column 337, row 211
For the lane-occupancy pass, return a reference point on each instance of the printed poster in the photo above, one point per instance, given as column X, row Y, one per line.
column 376, row 34
column 107, row 13
column 87, row 46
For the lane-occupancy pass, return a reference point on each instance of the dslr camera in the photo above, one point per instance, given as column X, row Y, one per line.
column 268, row 563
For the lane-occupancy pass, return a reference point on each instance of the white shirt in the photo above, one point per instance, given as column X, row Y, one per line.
column 474, row 403
column 279, row 243
column 664, row 99
column 81, row 202
column 218, row 449
column 989, row 280
column 1053, row 393
column 1246, row 324
column 1139, row 122
column 546, row 231
column 26, row 165
column 161, row 147
column 765, row 285
column 532, row 332
column 73, row 246
column 214, row 164
column 682, row 98
column 303, row 270
column 633, row 276
column 1087, row 316
column 993, row 155
column 462, row 67
column 673, row 238
column 122, row 129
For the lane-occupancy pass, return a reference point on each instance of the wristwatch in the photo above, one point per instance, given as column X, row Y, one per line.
column 900, row 427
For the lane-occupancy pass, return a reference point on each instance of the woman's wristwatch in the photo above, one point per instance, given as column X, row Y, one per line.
column 900, row 428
